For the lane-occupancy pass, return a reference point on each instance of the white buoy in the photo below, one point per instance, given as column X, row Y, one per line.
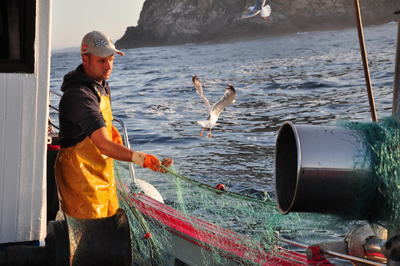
column 149, row 190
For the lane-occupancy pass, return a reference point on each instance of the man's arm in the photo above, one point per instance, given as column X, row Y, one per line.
column 108, row 147
column 116, row 151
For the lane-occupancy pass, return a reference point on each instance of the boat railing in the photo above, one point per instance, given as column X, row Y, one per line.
column 127, row 144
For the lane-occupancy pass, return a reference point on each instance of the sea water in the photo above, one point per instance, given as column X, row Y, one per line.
column 307, row 78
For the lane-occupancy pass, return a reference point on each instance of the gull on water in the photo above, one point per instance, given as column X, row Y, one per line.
column 215, row 110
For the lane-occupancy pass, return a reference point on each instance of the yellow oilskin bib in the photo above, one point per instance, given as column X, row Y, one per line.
column 85, row 177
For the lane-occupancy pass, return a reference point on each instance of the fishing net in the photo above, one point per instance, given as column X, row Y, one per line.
column 246, row 229
column 201, row 211
column 382, row 139
column 229, row 227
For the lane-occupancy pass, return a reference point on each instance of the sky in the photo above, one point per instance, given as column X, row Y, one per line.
column 72, row 19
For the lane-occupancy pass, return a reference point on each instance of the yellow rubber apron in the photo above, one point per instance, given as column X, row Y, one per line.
column 85, row 177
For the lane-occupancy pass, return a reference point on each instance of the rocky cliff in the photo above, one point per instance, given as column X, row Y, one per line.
column 165, row 22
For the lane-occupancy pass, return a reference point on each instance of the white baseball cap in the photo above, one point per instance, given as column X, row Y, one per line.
column 99, row 44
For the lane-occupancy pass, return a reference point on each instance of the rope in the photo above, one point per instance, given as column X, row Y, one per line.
column 266, row 201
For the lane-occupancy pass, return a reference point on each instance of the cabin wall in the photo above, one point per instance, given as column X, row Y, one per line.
column 23, row 131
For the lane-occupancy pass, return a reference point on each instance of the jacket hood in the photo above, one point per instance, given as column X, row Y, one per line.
column 76, row 79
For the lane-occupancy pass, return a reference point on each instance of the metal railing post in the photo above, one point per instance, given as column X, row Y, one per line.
column 396, row 84
column 127, row 144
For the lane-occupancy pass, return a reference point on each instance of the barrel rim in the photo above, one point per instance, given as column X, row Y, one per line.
column 292, row 126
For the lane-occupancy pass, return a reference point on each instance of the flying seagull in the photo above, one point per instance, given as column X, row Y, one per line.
column 260, row 7
column 215, row 110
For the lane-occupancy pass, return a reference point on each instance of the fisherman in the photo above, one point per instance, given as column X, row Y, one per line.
column 89, row 141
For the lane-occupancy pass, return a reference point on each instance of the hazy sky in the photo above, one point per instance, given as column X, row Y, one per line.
column 72, row 19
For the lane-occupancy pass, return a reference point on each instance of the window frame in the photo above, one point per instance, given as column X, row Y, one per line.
column 27, row 22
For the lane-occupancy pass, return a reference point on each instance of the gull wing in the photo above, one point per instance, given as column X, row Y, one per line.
column 259, row 4
column 249, row 14
column 199, row 89
column 253, row 10
column 265, row 11
column 228, row 98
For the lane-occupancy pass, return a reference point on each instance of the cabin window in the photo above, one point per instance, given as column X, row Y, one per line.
column 17, row 36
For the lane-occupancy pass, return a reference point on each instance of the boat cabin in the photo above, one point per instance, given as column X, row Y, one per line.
column 24, row 99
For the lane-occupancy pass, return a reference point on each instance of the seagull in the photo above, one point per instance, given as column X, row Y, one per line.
column 260, row 7
column 215, row 110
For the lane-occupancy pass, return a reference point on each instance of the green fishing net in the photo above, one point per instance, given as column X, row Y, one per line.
column 383, row 140
column 252, row 225
column 207, row 210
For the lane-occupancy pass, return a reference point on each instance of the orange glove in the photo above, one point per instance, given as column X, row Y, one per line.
column 153, row 163
column 116, row 137
column 150, row 161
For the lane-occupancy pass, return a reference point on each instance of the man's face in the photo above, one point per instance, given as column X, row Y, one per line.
column 96, row 67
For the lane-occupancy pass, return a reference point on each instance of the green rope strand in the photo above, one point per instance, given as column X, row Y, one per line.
column 266, row 201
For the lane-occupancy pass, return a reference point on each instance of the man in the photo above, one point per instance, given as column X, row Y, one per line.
column 89, row 142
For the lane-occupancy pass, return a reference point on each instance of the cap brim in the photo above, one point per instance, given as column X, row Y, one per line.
column 119, row 52
column 105, row 52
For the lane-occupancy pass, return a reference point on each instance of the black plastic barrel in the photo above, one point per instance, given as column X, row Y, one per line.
column 323, row 169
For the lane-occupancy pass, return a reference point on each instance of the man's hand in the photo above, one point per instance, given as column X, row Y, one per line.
column 103, row 142
column 153, row 163
column 166, row 162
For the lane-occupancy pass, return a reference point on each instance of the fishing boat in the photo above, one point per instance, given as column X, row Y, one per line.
column 30, row 232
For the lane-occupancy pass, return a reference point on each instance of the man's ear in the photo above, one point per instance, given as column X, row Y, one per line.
column 85, row 58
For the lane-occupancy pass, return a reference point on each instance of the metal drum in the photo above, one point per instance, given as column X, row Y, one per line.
column 324, row 169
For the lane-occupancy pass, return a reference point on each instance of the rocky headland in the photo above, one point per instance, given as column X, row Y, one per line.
column 168, row 22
